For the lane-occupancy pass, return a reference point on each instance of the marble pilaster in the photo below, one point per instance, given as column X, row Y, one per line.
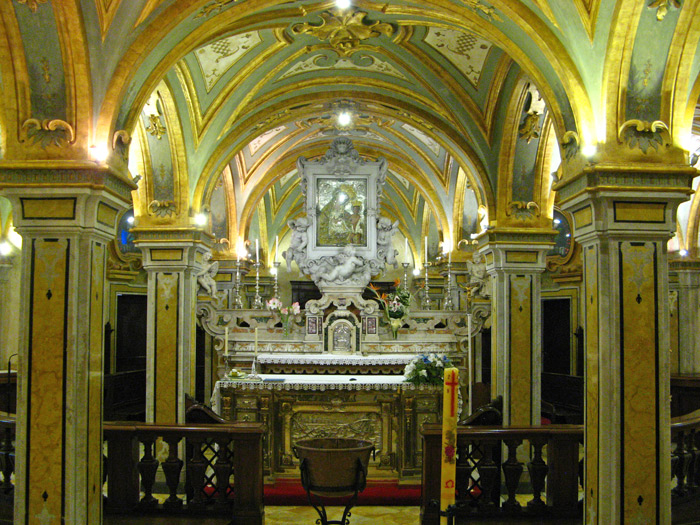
column 686, row 287
column 65, row 230
column 515, row 261
column 172, row 259
column 623, row 216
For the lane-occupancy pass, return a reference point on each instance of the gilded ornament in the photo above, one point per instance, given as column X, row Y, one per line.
column 32, row 4
column 523, row 210
column 343, row 30
column 530, row 128
column 49, row 132
column 162, row 208
column 644, row 135
column 570, row 144
column 216, row 5
column 479, row 7
column 155, row 128
column 662, row 7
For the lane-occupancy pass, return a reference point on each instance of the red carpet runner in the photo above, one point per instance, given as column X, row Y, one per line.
column 290, row 492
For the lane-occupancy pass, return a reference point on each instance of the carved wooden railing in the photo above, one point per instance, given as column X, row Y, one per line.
column 213, row 454
column 479, row 467
column 685, row 458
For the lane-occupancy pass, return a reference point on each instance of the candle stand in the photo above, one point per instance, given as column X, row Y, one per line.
column 237, row 301
column 447, row 303
column 405, row 274
column 276, row 291
column 425, row 300
column 257, row 300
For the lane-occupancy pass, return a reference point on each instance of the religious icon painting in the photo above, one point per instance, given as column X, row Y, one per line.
column 371, row 325
column 311, row 325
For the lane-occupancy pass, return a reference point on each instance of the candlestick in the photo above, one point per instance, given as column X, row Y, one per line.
column 256, row 341
column 257, row 251
column 447, row 303
column 237, row 301
column 276, row 289
column 257, row 300
column 226, row 341
column 277, row 247
column 425, row 300
column 405, row 273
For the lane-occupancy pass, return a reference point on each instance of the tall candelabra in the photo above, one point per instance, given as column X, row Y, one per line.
column 277, row 288
column 237, row 301
column 447, row 303
column 405, row 274
column 425, row 300
column 257, row 300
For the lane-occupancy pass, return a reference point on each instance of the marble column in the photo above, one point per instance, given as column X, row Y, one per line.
column 65, row 230
column 686, row 285
column 9, row 309
column 623, row 216
column 172, row 259
column 515, row 261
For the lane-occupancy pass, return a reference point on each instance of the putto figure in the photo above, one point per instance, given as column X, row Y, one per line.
column 298, row 242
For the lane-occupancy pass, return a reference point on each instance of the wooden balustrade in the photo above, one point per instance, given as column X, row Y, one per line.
column 479, row 467
column 213, row 454
column 685, row 457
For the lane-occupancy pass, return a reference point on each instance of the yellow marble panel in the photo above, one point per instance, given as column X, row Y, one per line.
column 489, row 258
column 167, row 285
column 640, row 211
column 106, row 215
column 224, row 277
column 674, row 329
column 521, row 257
column 583, row 217
column 639, row 368
column 48, row 208
column 46, row 394
column 94, row 401
column 166, row 255
column 520, row 349
column 591, row 294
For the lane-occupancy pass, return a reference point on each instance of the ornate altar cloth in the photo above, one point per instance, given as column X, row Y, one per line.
column 333, row 363
column 381, row 409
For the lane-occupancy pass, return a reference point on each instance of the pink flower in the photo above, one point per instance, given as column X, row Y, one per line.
column 284, row 311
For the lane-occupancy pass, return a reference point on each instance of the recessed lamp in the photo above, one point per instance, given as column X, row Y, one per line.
column 130, row 220
column 201, row 219
column 557, row 221
column 683, row 253
column 5, row 248
column 589, row 150
column 344, row 118
column 568, row 235
column 342, row 4
column 99, row 153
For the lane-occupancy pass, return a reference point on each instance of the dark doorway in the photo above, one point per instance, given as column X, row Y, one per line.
column 556, row 336
column 131, row 332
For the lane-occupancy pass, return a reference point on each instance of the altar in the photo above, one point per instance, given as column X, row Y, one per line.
column 382, row 409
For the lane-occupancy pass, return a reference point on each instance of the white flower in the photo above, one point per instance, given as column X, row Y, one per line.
column 424, row 373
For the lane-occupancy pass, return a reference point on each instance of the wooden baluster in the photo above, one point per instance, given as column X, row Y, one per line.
column 512, row 470
column 222, row 468
column 7, row 461
column 692, row 454
column 538, row 472
column 464, row 470
column 196, row 468
column 680, row 470
column 489, row 478
column 172, row 467
column 147, row 467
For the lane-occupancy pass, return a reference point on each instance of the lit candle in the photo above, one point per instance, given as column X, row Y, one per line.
column 257, row 251
column 405, row 249
column 256, row 341
column 449, row 255
column 277, row 246
column 226, row 341
column 426, row 248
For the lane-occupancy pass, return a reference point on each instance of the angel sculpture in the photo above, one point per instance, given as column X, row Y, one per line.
column 479, row 282
column 205, row 277
column 385, row 232
column 298, row 242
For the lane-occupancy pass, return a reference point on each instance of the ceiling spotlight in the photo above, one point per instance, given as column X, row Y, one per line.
column 201, row 219
column 344, row 118
column 683, row 253
column 589, row 150
column 5, row 248
column 557, row 221
column 130, row 220
column 342, row 4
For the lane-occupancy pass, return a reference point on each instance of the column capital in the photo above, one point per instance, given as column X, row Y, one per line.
column 684, row 273
column 625, row 200
column 516, row 249
column 172, row 249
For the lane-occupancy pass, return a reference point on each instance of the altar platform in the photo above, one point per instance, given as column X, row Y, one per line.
column 383, row 409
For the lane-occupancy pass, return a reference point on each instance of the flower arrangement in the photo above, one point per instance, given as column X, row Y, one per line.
column 286, row 313
column 395, row 305
column 427, row 369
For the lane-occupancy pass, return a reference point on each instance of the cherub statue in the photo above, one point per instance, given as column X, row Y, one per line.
column 479, row 282
column 347, row 265
column 385, row 232
column 297, row 245
column 205, row 277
